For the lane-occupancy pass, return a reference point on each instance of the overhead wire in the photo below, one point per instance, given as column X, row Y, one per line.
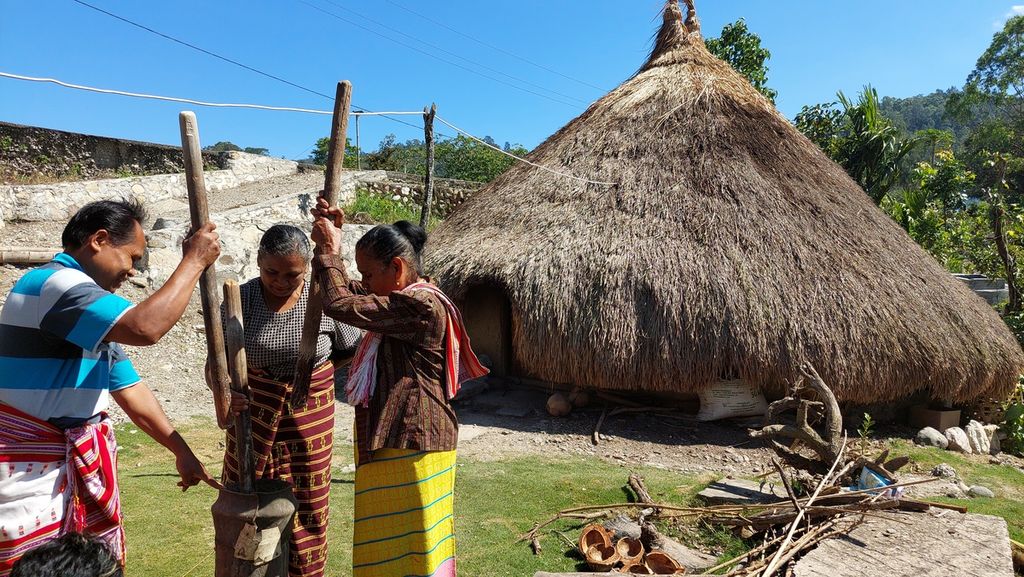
column 450, row 53
column 434, row 56
column 520, row 159
column 294, row 109
column 223, row 58
column 493, row 47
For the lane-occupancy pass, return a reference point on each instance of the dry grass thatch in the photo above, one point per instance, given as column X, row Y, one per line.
column 731, row 247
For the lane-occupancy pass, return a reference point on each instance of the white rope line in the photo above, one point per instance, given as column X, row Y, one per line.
column 506, row 153
column 191, row 101
column 293, row 109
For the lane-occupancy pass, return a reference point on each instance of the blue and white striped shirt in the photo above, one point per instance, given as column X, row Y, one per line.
column 54, row 362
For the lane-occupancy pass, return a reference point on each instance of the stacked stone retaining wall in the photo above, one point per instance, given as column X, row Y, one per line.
column 408, row 189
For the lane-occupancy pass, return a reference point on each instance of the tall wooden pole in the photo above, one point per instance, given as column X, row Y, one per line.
column 332, row 187
column 428, row 180
column 234, row 339
column 200, row 212
column 359, row 150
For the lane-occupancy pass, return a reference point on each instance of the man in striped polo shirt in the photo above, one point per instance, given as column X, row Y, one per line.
column 60, row 363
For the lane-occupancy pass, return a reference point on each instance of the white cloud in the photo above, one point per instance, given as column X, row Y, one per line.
column 1015, row 10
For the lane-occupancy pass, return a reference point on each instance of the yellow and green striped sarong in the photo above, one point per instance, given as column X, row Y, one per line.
column 404, row 525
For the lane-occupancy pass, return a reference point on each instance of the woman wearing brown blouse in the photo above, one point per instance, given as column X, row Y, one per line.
column 402, row 379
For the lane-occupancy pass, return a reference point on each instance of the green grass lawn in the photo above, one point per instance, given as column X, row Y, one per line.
column 384, row 210
column 170, row 534
column 1006, row 482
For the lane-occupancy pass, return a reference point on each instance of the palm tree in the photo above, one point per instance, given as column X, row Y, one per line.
column 869, row 146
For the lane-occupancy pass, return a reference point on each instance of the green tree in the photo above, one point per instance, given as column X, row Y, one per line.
column 256, row 150
column 223, row 146
column 997, row 149
column 463, row 158
column 742, row 49
column 320, row 151
column 820, row 123
column 929, row 209
column 998, row 76
column 936, row 140
column 858, row 137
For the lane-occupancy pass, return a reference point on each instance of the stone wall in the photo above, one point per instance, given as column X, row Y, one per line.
column 29, row 151
column 408, row 189
column 241, row 228
column 58, row 201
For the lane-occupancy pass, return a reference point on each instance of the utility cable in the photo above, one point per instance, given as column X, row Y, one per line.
column 294, row 109
column 493, row 47
column 520, row 159
column 223, row 58
column 450, row 53
column 434, row 56
column 197, row 102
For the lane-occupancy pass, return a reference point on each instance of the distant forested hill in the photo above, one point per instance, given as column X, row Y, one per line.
column 929, row 111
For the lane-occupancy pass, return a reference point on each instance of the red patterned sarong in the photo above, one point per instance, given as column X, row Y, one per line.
column 294, row 447
column 54, row 482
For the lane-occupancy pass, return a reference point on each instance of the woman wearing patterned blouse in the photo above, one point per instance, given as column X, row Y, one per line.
column 290, row 445
column 406, row 371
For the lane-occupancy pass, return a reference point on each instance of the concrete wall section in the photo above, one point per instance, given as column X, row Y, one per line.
column 58, row 201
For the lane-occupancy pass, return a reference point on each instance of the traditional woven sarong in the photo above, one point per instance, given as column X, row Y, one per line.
column 54, row 482
column 295, row 447
column 403, row 515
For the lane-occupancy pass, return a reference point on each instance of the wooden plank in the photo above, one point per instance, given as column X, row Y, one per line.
column 15, row 255
column 200, row 212
column 234, row 340
column 314, row 305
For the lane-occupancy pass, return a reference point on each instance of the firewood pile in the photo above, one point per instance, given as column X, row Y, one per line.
column 830, row 490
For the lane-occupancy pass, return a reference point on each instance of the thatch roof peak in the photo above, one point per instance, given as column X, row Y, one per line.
column 675, row 33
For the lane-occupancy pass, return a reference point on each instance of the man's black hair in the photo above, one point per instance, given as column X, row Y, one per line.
column 117, row 217
column 72, row 555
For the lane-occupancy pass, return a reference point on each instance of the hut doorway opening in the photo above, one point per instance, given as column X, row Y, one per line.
column 488, row 316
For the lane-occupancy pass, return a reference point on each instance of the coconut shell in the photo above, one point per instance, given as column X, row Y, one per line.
column 579, row 397
column 661, row 563
column 592, row 535
column 602, row 558
column 558, row 405
column 630, row 550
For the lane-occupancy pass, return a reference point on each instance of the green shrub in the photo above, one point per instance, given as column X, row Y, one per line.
column 383, row 210
column 1013, row 422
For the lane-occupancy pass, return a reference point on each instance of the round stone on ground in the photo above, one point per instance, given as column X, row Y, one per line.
column 979, row 491
column 944, row 470
column 930, row 437
column 958, row 440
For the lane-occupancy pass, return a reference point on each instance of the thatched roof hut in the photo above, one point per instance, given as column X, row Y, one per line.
column 730, row 247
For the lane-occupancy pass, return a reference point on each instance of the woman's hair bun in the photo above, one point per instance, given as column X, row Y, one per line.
column 416, row 236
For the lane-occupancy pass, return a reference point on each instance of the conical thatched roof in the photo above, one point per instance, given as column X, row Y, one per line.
column 730, row 247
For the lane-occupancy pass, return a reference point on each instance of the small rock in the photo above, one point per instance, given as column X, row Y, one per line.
column 978, row 438
column 138, row 281
column 162, row 223
column 979, row 491
column 958, row 440
column 930, row 437
column 944, row 470
column 996, row 439
column 350, row 468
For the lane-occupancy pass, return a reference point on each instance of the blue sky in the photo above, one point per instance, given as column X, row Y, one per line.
column 902, row 47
